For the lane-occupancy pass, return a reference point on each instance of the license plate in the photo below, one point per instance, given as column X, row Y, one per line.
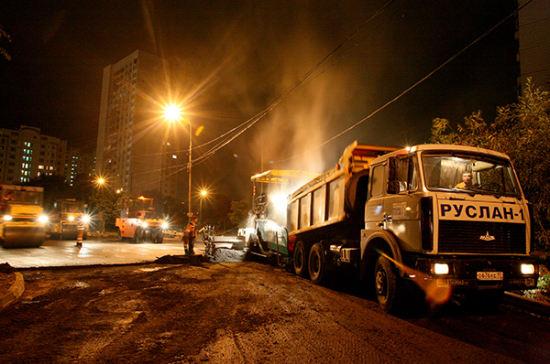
column 490, row 276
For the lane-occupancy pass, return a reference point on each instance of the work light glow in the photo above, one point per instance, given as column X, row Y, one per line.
column 279, row 201
column 527, row 268
column 441, row 268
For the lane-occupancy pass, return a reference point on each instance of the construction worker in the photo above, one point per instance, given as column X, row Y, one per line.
column 191, row 233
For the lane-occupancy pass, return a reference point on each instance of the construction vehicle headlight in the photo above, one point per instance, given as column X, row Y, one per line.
column 7, row 218
column 164, row 225
column 528, row 269
column 86, row 218
column 144, row 225
column 71, row 218
column 441, row 268
column 43, row 219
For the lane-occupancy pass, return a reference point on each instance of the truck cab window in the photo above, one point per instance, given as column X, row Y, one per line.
column 377, row 183
column 406, row 174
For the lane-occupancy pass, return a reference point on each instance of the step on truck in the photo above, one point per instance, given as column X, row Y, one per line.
column 22, row 219
column 138, row 221
column 410, row 226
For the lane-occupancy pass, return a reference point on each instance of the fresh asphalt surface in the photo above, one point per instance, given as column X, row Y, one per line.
column 94, row 251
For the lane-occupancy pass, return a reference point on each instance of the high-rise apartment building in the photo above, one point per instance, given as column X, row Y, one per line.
column 27, row 154
column 135, row 145
column 533, row 34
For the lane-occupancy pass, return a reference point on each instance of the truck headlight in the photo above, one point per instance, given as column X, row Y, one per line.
column 8, row 218
column 144, row 225
column 164, row 225
column 43, row 219
column 441, row 268
column 86, row 219
column 528, row 268
column 71, row 218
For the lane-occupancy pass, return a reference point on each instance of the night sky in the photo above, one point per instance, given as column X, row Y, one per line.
column 229, row 60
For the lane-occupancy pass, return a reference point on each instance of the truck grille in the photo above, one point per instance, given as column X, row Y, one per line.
column 465, row 237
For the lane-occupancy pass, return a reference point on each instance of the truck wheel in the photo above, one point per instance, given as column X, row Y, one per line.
column 120, row 237
column 140, row 235
column 317, row 264
column 385, row 284
column 158, row 237
column 300, row 259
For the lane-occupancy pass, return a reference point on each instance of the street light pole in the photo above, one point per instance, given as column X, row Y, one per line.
column 203, row 195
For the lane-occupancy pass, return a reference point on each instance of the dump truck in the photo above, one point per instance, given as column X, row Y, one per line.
column 405, row 223
column 139, row 223
column 64, row 218
column 22, row 219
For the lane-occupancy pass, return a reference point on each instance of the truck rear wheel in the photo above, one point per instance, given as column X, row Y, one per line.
column 300, row 259
column 317, row 264
column 385, row 284
column 158, row 237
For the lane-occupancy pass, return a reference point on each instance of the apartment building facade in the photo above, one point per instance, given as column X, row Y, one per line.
column 135, row 148
column 533, row 35
column 26, row 154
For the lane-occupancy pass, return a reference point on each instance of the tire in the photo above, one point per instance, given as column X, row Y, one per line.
column 300, row 259
column 386, row 284
column 120, row 237
column 139, row 235
column 158, row 237
column 317, row 264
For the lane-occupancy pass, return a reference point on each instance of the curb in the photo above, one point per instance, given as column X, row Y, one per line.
column 528, row 304
column 15, row 291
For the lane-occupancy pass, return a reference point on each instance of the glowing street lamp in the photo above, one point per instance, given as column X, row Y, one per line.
column 172, row 112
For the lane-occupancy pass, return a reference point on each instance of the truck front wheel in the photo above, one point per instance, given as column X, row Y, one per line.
column 300, row 259
column 317, row 265
column 140, row 235
column 385, row 284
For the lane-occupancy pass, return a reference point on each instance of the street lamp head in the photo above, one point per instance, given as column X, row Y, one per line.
column 204, row 193
column 172, row 112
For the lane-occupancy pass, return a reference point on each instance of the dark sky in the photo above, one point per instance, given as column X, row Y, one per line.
column 232, row 59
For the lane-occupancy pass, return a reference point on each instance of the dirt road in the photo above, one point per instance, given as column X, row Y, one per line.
column 209, row 313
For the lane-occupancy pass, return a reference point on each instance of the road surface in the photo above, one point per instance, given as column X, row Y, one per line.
column 241, row 312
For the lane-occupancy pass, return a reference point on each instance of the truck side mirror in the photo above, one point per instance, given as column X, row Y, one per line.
column 393, row 183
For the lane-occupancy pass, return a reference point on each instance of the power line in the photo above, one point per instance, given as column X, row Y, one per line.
column 408, row 89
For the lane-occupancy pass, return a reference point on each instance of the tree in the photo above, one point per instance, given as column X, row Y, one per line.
column 106, row 203
column 522, row 131
column 216, row 211
column 239, row 212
